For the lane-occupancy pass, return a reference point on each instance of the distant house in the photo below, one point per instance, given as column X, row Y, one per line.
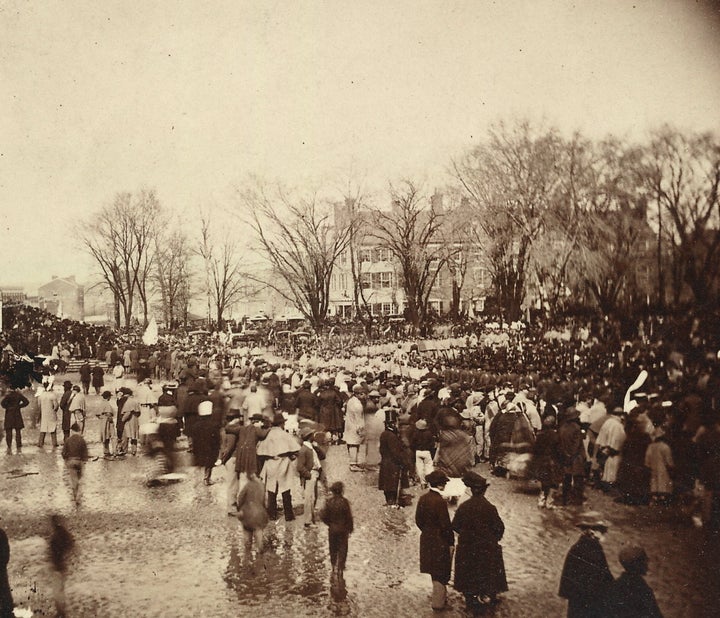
column 63, row 297
column 12, row 295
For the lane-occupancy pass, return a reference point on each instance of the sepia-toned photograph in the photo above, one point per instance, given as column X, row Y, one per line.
column 360, row 309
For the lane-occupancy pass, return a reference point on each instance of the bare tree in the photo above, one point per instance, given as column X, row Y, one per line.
column 302, row 242
column 683, row 176
column 172, row 276
column 224, row 275
column 119, row 237
column 412, row 232
column 512, row 179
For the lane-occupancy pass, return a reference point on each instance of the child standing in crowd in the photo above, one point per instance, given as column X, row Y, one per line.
column 252, row 512
column 630, row 596
column 337, row 515
column 75, row 454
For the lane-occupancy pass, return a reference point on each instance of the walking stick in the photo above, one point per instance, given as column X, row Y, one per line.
column 397, row 494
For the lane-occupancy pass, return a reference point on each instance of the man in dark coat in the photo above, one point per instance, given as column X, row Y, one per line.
column 85, row 376
column 98, row 378
column 65, row 407
column 437, row 539
column 479, row 564
column 394, row 464
column 572, row 455
column 586, row 577
column 13, row 403
column 337, row 515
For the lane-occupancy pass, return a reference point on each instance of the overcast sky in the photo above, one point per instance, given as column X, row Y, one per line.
column 190, row 97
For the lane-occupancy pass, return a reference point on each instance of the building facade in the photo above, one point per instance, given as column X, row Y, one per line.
column 63, row 297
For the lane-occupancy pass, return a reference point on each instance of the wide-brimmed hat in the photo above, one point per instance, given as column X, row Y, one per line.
column 592, row 520
column 474, row 480
column 436, row 477
column 257, row 417
column 306, row 431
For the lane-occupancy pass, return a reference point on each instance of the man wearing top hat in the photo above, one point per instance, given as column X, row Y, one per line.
column 479, row 564
column 437, row 539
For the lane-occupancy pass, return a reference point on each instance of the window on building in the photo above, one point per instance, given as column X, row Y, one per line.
column 366, row 281
column 386, row 280
column 365, row 255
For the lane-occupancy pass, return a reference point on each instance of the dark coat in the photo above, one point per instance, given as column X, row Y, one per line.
column 6, row 599
column 13, row 403
column 633, row 479
column 331, row 403
column 479, row 565
column 242, row 444
column 631, row 597
column 65, row 408
column 586, row 578
column 306, row 404
column 437, row 536
column 394, row 462
column 571, row 448
column 206, row 441
column 336, row 514
column 546, row 458
column 98, row 377
column 85, row 373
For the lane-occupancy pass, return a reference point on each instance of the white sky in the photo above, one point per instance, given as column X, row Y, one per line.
column 190, row 97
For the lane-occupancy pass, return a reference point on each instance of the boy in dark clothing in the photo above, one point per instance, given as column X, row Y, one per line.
column 630, row 596
column 75, row 454
column 336, row 514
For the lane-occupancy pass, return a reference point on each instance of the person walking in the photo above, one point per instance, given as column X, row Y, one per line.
column 85, row 376
column 572, row 457
column 75, row 454
column 354, row 429
column 61, row 544
column 206, row 440
column 98, row 378
column 252, row 513
column 108, row 432
column 337, row 516
column 77, row 408
column 437, row 539
column 479, row 564
column 546, row 467
column 13, row 402
column 586, row 579
column 65, row 408
column 7, row 604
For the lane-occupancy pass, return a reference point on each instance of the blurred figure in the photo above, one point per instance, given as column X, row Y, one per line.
column 252, row 512
column 206, row 440
column 278, row 450
column 6, row 599
column 61, row 544
column 75, row 454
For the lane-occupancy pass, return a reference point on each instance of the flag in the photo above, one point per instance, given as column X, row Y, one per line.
column 150, row 336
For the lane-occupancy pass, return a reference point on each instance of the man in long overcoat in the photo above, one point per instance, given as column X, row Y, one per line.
column 437, row 539
column 479, row 565
column 573, row 457
column 394, row 463
column 13, row 403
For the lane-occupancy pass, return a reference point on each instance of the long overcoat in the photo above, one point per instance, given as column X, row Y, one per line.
column 436, row 536
column 13, row 403
column 394, row 462
column 49, row 403
column 479, row 564
column 586, row 579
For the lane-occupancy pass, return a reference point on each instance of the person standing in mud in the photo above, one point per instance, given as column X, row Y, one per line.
column 13, row 403
column 75, row 454
column 586, row 578
column 437, row 540
column 6, row 600
column 337, row 516
column 107, row 425
column 60, row 545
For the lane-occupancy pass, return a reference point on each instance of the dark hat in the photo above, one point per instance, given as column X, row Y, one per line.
column 436, row 477
column 106, row 394
column 125, row 390
column 474, row 480
column 633, row 557
column 257, row 417
column 67, row 384
column 278, row 420
column 571, row 414
column 592, row 520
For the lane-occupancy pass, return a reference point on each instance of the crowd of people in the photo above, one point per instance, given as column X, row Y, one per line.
column 571, row 409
